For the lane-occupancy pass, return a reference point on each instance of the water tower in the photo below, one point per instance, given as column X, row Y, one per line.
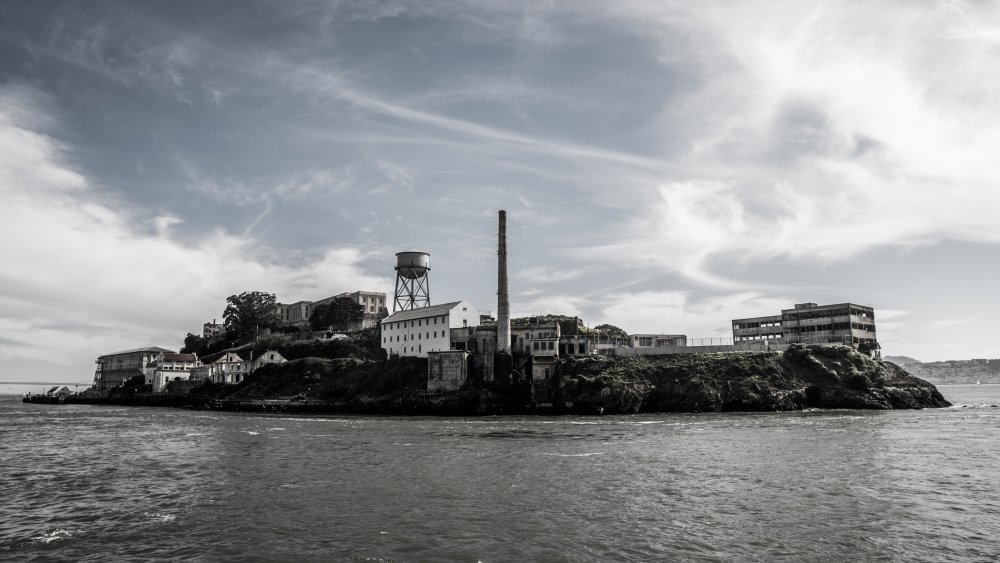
column 413, row 285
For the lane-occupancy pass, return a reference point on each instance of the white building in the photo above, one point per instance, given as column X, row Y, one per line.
column 268, row 357
column 414, row 332
column 169, row 367
column 230, row 368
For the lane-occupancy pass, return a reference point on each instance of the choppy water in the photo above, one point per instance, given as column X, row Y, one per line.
column 87, row 483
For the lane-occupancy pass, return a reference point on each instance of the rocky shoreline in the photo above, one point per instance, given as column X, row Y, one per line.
column 803, row 377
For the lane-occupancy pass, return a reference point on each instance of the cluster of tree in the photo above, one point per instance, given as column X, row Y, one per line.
column 340, row 314
column 611, row 332
column 573, row 325
column 567, row 325
column 194, row 344
column 248, row 314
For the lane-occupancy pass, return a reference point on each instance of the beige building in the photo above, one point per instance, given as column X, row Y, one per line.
column 298, row 314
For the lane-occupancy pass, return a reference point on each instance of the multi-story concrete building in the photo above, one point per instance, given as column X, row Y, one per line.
column 115, row 368
column 298, row 314
column 540, row 342
column 808, row 323
column 576, row 345
column 212, row 329
column 414, row 332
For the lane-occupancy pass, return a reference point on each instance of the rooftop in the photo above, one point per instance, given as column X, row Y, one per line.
column 136, row 350
column 421, row 312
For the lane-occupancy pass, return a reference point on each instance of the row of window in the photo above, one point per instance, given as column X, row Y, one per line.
column 418, row 322
column 410, row 349
column 737, row 326
column 798, row 315
column 771, row 336
column 428, row 336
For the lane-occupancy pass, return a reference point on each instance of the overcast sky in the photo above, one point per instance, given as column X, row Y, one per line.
column 666, row 166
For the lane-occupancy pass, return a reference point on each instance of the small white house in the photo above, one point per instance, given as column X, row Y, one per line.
column 168, row 367
column 268, row 357
column 414, row 332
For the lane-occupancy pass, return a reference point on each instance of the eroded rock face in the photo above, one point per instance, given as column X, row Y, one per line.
column 802, row 377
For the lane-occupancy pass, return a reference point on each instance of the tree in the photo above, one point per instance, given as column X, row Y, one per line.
column 340, row 314
column 249, row 313
column 611, row 332
column 193, row 344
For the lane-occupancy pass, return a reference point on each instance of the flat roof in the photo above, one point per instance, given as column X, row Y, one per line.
column 136, row 350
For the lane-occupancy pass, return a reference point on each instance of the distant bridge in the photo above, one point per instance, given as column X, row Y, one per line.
column 74, row 383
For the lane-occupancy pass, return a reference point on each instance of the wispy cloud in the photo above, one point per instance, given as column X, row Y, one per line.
column 127, row 273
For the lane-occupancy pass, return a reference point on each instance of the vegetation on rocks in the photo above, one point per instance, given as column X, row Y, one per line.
column 802, row 377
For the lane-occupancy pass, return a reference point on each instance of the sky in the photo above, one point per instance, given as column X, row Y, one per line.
column 666, row 166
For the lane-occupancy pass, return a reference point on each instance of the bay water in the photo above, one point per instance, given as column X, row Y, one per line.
column 94, row 483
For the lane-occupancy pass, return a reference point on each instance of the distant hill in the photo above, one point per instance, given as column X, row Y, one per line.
column 957, row 371
column 901, row 360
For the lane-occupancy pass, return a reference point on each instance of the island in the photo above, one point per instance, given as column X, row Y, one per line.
column 801, row 377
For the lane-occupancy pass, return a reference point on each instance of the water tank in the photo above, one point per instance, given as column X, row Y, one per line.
column 412, row 265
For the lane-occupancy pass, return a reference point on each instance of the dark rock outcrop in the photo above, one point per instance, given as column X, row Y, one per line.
column 802, row 377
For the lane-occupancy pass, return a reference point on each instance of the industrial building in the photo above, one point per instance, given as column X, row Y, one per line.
column 849, row 324
column 115, row 368
column 415, row 332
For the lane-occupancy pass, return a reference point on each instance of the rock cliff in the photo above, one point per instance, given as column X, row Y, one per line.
column 802, row 377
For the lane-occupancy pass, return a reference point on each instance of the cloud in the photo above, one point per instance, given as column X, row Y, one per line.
column 74, row 260
column 821, row 131
column 681, row 312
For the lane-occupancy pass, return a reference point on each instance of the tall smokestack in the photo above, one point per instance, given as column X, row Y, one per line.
column 503, row 298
